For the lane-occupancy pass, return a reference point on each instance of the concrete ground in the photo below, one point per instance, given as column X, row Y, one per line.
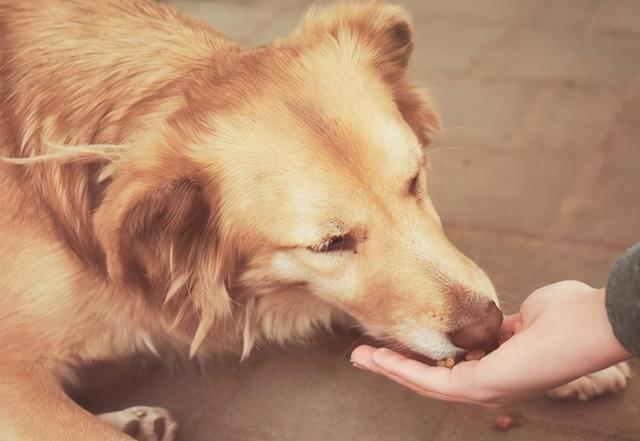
column 537, row 177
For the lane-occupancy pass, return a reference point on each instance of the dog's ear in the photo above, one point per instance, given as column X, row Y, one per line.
column 153, row 207
column 157, row 227
column 384, row 34
column 384, row 29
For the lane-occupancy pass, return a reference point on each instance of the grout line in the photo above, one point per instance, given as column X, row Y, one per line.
column 535, row 239
column 587, row 179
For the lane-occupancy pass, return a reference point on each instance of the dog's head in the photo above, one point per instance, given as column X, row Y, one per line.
column 293, row 183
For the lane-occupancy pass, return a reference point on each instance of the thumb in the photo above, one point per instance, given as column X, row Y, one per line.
column 510, row 325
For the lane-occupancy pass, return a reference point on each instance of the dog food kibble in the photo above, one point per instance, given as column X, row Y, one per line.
column 447, row 362
column 474, row 355
column 504, row 422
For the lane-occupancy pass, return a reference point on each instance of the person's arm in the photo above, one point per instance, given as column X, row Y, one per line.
column 623, row 299
column 562, row 333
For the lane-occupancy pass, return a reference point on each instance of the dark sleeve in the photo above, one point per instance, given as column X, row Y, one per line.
column 623, row 299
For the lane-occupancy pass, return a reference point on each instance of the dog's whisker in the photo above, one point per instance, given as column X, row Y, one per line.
column 507, row 303
column 475, row 129
column 447, row 147
column 433, row 162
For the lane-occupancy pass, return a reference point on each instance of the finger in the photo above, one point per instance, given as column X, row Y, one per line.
column 362, row 358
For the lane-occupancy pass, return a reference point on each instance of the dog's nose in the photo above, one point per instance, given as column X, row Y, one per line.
column 482, row 333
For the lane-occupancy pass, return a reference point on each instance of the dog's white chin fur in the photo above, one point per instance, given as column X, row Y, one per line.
column 427, row 342
column 431, row 343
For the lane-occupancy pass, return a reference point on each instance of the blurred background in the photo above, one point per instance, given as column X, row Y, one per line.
column 537, row 178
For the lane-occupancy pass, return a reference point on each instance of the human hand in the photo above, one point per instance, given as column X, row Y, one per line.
column 561, row 333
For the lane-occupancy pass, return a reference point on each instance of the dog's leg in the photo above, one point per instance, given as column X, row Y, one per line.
column 33, row 407
column 612, row 379
column 143, row 423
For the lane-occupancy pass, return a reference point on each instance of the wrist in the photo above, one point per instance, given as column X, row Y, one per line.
column 604, row 348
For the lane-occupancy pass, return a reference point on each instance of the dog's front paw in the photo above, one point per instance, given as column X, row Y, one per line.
column 143, row 423
column 612, row 379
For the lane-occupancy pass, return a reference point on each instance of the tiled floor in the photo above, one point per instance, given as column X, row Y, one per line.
column 537, row 177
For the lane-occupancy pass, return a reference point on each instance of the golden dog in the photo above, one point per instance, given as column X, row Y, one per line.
column 164, row 188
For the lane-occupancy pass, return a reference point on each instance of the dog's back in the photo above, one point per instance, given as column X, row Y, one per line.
column 72, row 70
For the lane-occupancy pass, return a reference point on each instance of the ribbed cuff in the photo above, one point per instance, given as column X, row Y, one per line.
column 623, row 299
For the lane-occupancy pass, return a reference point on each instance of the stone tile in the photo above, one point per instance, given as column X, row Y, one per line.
column 518, row 265
column 450, row 43
column 566, row 118
column 538, row 420
column 564, row 12
column 498, row 10
column 557, row 54
column 631, row 113
column 309, row 394
column 478, row 112
column 517, row 189
column 617, row 16
column 613, row 211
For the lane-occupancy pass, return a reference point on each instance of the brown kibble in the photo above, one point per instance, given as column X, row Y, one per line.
column 475, row 355
column 448, row 362
column 504, row 422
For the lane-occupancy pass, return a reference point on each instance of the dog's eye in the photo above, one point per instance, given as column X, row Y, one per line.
column 414, row 185
column 333, row 243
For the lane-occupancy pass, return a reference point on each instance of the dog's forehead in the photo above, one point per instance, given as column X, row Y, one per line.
column 343, row 96
column 346, row 114
column 322, row 107
column 318, row 139
column 366, row 143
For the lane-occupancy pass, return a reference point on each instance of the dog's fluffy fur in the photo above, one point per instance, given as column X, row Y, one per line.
column 166, row 188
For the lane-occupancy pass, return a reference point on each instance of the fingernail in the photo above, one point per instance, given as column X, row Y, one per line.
column 358, row 366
